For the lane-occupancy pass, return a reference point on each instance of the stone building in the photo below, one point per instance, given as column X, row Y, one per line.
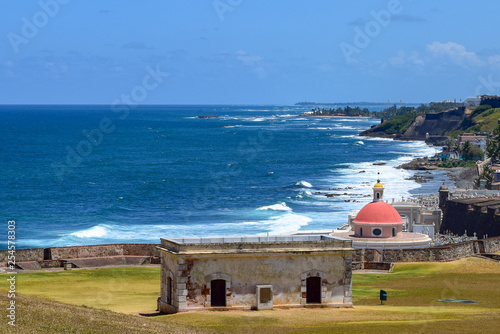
column 492, row 100
column 480, row 215
column 378, row 225
column 419, row 218
column 255, row 272
column 477, row 140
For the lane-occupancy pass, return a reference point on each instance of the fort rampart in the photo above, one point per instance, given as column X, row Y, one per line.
column 442, row 253
column 77, row 252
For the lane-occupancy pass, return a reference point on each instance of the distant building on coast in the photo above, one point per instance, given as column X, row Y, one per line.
column 477, row 140
column 472, row 102
column 492, row 100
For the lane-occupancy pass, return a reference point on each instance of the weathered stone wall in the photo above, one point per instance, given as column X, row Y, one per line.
column 74, row 252
column 21, row 255
column 443, row 253
column 287, row 273
column 177, row 299
column 460, row 217
column 225, row 245
column 141, row 249
column 490, row 245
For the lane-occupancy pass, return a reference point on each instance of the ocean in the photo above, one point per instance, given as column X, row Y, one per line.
column 80, row 175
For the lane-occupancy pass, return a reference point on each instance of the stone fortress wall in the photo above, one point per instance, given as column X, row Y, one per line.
column 57, row 255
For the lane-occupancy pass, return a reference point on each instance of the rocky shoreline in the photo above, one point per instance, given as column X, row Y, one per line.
column 463, row 177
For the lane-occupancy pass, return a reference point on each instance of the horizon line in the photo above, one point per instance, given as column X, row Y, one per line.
column 206, row 104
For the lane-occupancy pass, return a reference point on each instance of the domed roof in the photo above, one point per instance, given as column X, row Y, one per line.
column 443, row 187
column 378, row 213
column 378, row 185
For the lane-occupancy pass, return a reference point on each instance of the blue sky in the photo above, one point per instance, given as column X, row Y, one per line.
column 247, row 51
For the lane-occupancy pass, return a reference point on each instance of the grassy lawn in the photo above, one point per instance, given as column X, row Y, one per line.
column 412, row 306
column 36, row 315
column 122, row 289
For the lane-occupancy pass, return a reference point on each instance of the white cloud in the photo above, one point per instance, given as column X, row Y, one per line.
column 494, row 62
column 454, row 52
column 252, row 61
column 403, row 58
column 494, row 59
column 326, row 67
column 247, row 59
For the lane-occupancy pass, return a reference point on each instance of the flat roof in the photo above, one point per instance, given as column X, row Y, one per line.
column 480, row 201
column 276, row 244
column 255, row 239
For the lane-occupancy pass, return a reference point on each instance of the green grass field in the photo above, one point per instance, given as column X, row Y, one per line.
column 121, row 289
column 412, row 306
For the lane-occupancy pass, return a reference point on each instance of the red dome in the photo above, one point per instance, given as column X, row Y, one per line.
column 377, row 213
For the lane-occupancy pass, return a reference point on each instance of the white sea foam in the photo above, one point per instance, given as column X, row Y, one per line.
column 288, row 222
column 375, row 138
column 303, row 194
column 303, row 184
column 93, row 232
column 343, row 127
column 319, row 128
column 276, row 207
column 108, row 233
column 359, row 178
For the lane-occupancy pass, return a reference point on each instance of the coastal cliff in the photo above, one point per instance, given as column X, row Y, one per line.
column 421, row 127
column 439, row 124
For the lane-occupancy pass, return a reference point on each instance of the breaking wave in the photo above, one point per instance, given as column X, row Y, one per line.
column 276, row 207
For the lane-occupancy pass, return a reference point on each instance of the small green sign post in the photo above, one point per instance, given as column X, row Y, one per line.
column 383, row 296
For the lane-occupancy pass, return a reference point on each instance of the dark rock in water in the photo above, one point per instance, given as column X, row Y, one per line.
column 379, row 163
column 419, row 178
column 207, row 116
column 362, row 171
column 417, row 164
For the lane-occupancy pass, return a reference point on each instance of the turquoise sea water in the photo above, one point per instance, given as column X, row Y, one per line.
column 74, row 175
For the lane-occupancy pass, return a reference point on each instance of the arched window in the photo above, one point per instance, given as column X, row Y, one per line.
column 360, row 231
column 378, row 195
column 393, row 231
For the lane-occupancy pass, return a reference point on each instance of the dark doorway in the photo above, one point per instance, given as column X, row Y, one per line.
column 313, row 288
column 218, row 292
column 169, row 290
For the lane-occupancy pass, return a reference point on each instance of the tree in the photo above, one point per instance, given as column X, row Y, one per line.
column 493, row 147
column 488, row 176
column 470, row 152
